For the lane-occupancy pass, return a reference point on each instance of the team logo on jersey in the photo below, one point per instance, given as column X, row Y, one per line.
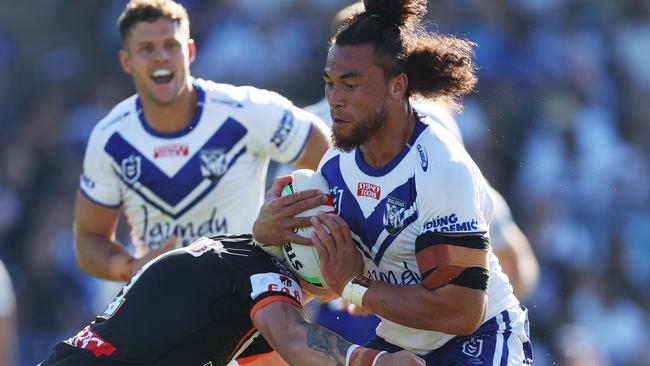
column 337, row 196
column 394, row 215
column 368, row 190
column 214, row 163
column 281, row 267
column 424, row 160
column 171, row 150
column 473, row 347
column 202, row 245
column 131, row 168
column 87, row 182
column 87, row 339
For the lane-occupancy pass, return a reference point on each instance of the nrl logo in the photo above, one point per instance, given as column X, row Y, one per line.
column 131, row 168
column 473, row 347
column 213, row 163
column 394, row 215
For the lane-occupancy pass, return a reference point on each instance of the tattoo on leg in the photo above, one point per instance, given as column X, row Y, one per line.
column 322, row 340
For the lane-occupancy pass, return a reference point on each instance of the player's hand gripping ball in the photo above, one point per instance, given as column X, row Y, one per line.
column 303, row 259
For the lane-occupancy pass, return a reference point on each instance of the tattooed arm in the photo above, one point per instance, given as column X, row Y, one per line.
column 299, row 342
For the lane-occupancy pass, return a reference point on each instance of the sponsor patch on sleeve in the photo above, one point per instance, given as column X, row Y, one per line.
column 202, row 245
column 87, row 339
column 262, row 283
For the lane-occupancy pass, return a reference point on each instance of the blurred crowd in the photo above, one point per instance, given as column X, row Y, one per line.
column 560, row 124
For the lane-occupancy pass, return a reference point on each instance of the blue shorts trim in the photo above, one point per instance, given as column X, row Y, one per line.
column 501, row 341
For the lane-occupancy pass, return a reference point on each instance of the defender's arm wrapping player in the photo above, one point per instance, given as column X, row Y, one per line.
column 207, row 304
column 176, row 156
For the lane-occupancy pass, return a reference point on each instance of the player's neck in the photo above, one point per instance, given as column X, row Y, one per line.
column 172, row 117
column 384, row 145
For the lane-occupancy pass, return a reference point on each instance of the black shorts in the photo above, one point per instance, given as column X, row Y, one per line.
column 191, row 306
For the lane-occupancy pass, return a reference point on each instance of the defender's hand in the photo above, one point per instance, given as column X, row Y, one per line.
column 275, row 223
column 340, row 260
column 132, row 265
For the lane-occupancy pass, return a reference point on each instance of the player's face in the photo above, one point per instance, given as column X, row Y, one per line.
column 356, row 90
column 158, row 57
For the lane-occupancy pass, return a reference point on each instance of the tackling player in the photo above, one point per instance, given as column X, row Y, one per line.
column 208, row 304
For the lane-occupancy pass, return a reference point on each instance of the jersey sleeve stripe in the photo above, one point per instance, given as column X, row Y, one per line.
column 472, row 241
column 251, row 333
column 449, row 255
column 249, row 359
column 271, row 299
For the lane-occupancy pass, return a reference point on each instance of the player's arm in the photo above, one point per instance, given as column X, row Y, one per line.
column 451, row 299
column 449, row 309
column 513, row 249
column 299, row 342
column 317, row 144
column 518, row 261
column 97, row 251
column 7, row 338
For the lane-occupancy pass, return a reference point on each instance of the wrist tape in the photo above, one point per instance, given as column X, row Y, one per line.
column 355, row 289
column 362, row 356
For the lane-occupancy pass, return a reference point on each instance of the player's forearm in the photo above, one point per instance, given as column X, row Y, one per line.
column 103, row 258
column 7, row 340
column 450, row 309
column 325, row 348
column 317, row 144
column 316, row 345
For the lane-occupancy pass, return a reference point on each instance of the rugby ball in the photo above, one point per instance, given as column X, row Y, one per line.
column 302, row 259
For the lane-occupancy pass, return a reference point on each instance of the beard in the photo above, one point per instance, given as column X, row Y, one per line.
column 360, row 133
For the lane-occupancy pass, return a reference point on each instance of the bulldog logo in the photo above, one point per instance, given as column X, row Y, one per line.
column 213, row 163
column 394, row 215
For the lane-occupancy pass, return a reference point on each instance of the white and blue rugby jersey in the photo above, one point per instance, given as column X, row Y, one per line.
column 432, row 185
column 205, row 179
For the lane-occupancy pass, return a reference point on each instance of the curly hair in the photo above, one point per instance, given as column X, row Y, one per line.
column 149, row 11
column 437, row 66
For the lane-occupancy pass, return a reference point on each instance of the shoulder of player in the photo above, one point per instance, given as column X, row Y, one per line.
column 330, row 154
column 439, row 160
column 115, row 119
column 241, row 98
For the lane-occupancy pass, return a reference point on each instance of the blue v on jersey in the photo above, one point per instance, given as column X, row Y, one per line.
column 205, row 179
column 432, row 185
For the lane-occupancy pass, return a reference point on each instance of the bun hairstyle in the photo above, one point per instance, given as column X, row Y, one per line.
column 437, row 66
column 398, row 12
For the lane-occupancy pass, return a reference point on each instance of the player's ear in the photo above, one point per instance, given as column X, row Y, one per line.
column 123, row 56
column 191, row 47
column 398, row 85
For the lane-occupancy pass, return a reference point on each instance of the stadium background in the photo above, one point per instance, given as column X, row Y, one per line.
column 560, row 124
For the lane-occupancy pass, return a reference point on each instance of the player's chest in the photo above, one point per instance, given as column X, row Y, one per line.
column 207, row 153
